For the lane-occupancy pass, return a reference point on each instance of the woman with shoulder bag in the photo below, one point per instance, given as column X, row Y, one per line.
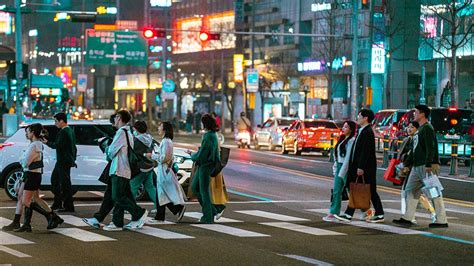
column 206, row 158
column 340, row 167
column 169, row 192
column 32, row 163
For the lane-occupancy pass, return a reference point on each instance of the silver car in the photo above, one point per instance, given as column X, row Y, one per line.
column 271, row 132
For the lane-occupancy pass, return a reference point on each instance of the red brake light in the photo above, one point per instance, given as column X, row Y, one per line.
column 454, row 122
column 453, row 109
column 6, row 144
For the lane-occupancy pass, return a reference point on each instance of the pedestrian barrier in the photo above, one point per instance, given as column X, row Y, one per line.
column 471, row 168
column 454, row 159
column 386, row 141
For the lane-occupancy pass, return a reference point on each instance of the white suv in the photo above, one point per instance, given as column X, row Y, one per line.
column 90, row 159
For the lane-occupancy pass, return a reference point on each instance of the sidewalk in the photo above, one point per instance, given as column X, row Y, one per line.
column 193, row 138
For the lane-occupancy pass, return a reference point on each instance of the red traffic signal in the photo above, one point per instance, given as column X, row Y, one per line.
column 206, row 36
column 151, row 33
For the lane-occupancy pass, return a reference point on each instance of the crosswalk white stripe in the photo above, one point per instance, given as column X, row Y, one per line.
column 4, row 221
column 303, row 229
column 82, row 235
column 273, row 216
column 198, row 215
column 376, row 226
column 147, row 221
column 418, row 214
column 229, row 230
column 13, row 252
column 9, row 239
column 73, row 220
column 307, row 260
column 160, row 233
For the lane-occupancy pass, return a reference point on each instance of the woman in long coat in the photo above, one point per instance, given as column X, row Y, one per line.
column 206, row 158
column 169, row 192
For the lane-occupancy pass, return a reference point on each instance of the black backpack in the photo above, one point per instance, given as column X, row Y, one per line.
column 133, row 158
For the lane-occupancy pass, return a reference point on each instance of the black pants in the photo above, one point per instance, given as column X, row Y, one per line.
column 375, row 199
column 160, row 210
column 61, row 186
column 107, row 203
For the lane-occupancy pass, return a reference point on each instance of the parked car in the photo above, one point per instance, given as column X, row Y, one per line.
column 385, row 123
column 271, row 132
column 310, row 135
column 90, row 159
column 450, row 124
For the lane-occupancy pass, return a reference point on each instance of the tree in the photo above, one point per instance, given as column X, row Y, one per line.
column 453, row 32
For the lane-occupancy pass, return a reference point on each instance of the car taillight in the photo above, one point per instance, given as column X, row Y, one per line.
column 452, row 109
column 453, row 122
column 6, row 144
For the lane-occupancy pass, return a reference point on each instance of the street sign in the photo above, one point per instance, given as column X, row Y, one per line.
column 81, row 82
column 116, row 48
column 252, row 80
column 168, row 86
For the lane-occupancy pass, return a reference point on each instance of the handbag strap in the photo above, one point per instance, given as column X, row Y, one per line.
column 126, row 136
column 363, row 179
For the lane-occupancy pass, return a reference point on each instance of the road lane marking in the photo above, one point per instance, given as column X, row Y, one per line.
column 160, row 233
column 198, row 215
column 303, row 229
column 14, row 252
column 73, row 220
column 376, row 226
column 4, row 221
column 307, row 260
column 248, row 195
column 418, row 214
column 450, row 239
column 9, row 239
column 273, row 216
column 229, row 230
column 81, row 235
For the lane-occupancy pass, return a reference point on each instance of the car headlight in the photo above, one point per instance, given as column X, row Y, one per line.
column 179, row 159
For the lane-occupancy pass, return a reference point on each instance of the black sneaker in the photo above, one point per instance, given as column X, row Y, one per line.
column 403, row 222
column 344, row 218
column 438, row 225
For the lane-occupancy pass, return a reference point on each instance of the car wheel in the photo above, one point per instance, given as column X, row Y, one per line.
column 283, row 149
column 10, row 180
column 270, row 145
column 295, row 149
column 257, row 146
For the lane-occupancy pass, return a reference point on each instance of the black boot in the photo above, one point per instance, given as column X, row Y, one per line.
column 26, row 227
column 53, row 219
column 14, row 225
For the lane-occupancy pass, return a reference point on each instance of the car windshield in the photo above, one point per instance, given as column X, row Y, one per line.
column 324, row 124
column 285, row 122
column 451, row 121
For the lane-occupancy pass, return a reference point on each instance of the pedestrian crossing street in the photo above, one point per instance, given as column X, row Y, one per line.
column 76, row 229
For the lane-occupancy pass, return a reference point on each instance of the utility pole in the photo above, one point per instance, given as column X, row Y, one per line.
column 18, row 58
column 355, row 59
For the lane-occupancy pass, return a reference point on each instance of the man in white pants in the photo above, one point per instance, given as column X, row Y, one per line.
column 425, row 160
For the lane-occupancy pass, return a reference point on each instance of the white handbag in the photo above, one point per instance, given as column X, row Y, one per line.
column 432, row 186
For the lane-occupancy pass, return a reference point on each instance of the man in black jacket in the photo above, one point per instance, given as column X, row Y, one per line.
column 363, row 163
column 66, row 151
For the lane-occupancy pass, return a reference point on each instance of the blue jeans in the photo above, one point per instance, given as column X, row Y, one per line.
column 337, row 191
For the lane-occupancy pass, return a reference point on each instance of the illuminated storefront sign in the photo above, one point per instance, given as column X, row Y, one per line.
column 45, row 92
column 186, row 35
column 378, row 59
column 238, row 68
column 315, row 7
column 340, row 62
column 5, row 23
column 65, row 73
column 310, row 66
column 160, row 3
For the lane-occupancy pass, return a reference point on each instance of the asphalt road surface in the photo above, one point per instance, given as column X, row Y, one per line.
column 273, row 218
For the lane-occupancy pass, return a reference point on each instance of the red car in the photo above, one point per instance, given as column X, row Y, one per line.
column 310, row 135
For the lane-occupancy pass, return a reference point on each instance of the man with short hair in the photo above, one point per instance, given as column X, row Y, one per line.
column 120, row 174
column 65, row 145
column 363, row 163
column 425, row 160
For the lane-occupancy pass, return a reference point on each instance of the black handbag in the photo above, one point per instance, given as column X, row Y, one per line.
column 105, row 177
column 225, row 152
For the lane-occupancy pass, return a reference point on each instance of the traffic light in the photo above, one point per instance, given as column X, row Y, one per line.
column 205, row 36
column 151, row 33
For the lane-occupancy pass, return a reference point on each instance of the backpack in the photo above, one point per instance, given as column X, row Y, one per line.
column 140, row 148
column 133, row 158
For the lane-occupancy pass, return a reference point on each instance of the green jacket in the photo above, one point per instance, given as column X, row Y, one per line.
column 208, row 154
column 425, row 146
column 65, row 146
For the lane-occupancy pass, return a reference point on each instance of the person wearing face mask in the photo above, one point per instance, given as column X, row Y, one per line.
column 340, row 167
column 170, row 194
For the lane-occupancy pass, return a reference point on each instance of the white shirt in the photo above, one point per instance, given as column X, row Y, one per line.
column 32, row 154
column 118, row 153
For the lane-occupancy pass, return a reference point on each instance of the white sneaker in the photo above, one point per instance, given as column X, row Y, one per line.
column 132, row 225
column 330, row 218
column 154, row 221
column 142, row 219
column 92, row 222
column 112, row 227
column 219, row 215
